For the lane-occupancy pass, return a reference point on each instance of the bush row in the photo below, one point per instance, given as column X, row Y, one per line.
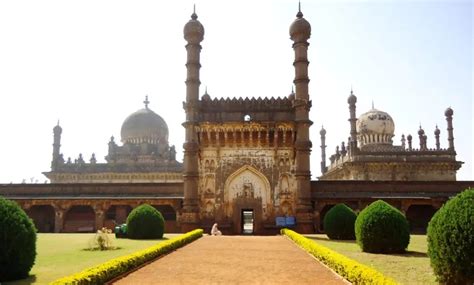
column 118, row 266
column 351, row 270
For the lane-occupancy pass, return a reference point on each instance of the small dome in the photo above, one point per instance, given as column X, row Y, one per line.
column 144, row 126
column 193, row 30
column 375, row 127
column 300, row 29
column 449, row 112
column 437, row 131
column 322, row 132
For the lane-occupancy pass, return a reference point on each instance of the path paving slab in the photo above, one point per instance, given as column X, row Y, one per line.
column 235, row 260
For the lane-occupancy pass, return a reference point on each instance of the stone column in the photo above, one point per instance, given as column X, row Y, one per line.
column 59, row 219
column 300, row 32
column 449, row 118
column 323, row 150
column 352, row 100
column 193, row 34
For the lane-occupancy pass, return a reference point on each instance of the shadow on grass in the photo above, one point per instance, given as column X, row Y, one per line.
column 29, row 280
column 411, row 254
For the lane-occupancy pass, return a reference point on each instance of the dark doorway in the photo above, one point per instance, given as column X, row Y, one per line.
column 418, row 217
column 43, row 217
column 247, row 219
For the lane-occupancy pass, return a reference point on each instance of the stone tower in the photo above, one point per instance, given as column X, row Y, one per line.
column 193, row 34
column 300, row 32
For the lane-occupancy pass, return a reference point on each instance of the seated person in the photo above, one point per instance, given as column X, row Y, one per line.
column 215, row 231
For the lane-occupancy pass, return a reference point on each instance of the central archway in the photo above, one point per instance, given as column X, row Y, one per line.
column 247, row 189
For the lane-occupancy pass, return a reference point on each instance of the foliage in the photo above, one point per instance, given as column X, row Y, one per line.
column 351, row 270
column 17, row 241
column 451, row 240
column 339, row 222
column 107, row 271
column 145, row 222
column 121, row 231
column 381, row 228
column 101, row 240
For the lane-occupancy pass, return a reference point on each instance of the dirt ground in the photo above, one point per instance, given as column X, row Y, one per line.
column 235, row 260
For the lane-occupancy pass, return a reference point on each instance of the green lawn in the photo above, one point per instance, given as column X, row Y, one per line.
column 59, row 255
column 412, row 267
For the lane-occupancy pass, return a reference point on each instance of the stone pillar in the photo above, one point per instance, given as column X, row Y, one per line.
column 449, row 118
column 436, row 133
column 57, row 130
column 352, row 100
column 300, row 32
column 193, row 34
column 59, row 214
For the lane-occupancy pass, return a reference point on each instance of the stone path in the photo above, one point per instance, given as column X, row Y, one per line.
column 235, row 260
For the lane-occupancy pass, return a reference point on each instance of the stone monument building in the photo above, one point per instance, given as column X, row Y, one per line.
column 145, row 155
column 371, row 155
column 246, row 164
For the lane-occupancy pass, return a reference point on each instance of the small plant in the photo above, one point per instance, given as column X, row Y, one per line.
column 451, row 240
column 17, row 242
column 339, row 223
column 101, row 240
column 145, row 222
column 381, row 228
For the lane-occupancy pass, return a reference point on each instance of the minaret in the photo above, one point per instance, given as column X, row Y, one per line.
column 436, row 133
column 323, row 150
column 449, row 118
column 352, row 100
column 57, row 130
column 300, row 32
column 193, row 34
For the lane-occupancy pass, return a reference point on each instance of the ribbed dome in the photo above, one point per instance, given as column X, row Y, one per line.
column 300, row 29
column 375, row 127
column 144, row 126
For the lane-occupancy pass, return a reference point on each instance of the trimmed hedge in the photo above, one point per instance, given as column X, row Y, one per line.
column 339, row 222
column 115, row 267
column 381, row 228
column 451, row 240
column 17, row 242
column 145, row 222
column 351, row 270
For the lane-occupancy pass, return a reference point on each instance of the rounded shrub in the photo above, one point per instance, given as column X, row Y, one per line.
column 451, row 240
column 381, row 228
column 17, row 242
column 145, row 222
column 339, row 222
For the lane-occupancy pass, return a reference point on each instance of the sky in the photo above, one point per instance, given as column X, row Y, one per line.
column 89, row 64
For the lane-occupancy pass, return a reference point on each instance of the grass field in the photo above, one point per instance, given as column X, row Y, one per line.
column 412, row 267
column 59, row 255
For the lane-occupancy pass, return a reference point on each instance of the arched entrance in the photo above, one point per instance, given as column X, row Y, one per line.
column 419, row 216
column 247, row 198
column 43, row 217
column 79, row 219
column 169, row 214
column 116, row 215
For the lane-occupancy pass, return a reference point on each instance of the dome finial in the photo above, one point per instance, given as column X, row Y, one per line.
column 205, row 92
column 146, row 102
column 194, row 15
column 373, row 105
column 299, row 14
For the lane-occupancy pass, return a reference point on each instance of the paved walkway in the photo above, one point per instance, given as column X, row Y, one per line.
column 235, row 260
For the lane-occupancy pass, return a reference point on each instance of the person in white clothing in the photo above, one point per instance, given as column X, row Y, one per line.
column 215, row 231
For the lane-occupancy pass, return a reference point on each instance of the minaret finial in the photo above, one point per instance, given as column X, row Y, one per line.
column 292, row 89
column 146, row 102
column 194, row 15
column 58, row 123
column 205, row 92
column 373, row 104
column 352, row 92
column 300, row 14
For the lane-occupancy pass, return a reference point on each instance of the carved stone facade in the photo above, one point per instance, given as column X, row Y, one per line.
column 371, row 155
column 145, row 155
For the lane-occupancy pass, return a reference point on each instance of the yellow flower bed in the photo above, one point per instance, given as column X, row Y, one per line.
column 351, row 270
column 115, row 267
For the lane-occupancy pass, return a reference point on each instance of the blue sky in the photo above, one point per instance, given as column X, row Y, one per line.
column 91, row 63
